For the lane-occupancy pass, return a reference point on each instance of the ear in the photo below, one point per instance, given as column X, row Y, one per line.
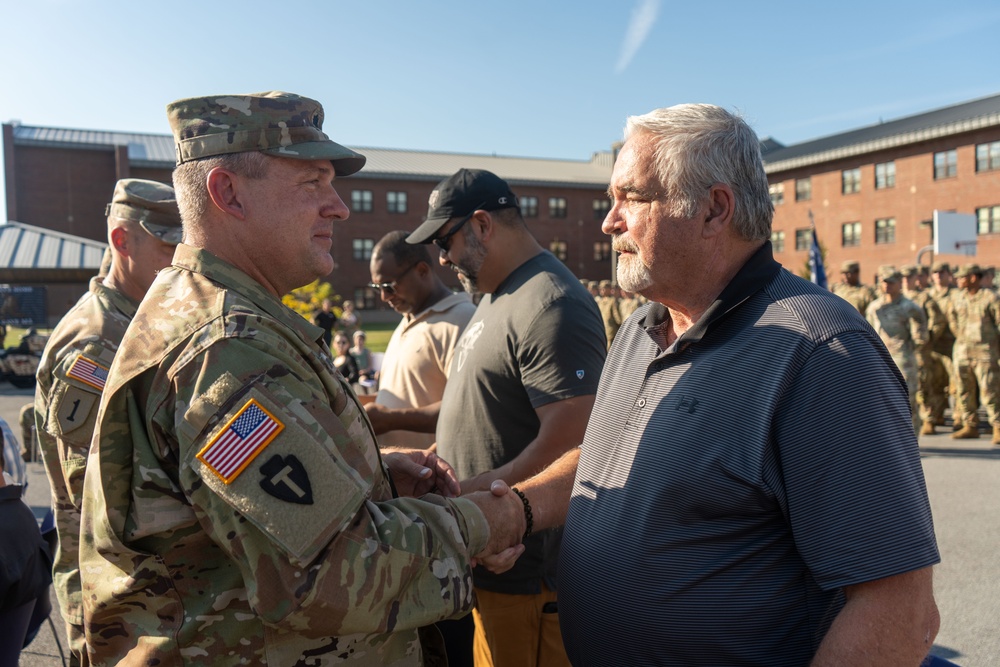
column 485, row 224
column 720, row 209
column 119, row 239
column 223, row 189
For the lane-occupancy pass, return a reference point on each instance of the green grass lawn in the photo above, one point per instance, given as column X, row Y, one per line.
column 377, row 335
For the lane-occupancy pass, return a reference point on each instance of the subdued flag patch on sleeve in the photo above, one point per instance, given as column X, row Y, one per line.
column 240, row 441
column 89, row 372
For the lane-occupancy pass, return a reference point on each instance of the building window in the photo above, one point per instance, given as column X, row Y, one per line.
column 778, row 241
column 529, row 206
column 885, row 175
column 558, row 248
column 850, row 181
column 365, row 298
column 557, row 207
column 885, row 230
column 602, row 251
column 850, row 234
column 601, row 208
column 945, row 164
column 361, row 201
column 988, row 156
column 803, row 189
column 803, row 239
column 361, row 249
column 989, row 219
column 395, row 202
column 777, row 191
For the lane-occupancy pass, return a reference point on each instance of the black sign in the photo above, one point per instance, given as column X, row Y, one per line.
column 22, row 305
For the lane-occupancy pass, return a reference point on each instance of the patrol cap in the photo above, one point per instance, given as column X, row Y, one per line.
column 850, row 266
column 274, row 123
column 908, row 270
column 888, row 274
column 604, row 284
column 969, row 270
column 153, row 205
column 938, row 267
column 459, row 195
column 593, row 284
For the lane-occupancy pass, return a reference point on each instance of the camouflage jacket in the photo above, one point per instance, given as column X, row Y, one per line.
column 71, row 377
column 236, row 509
column 859, row 296
column 628, row 306
column 902, row 326
column 608, row 305
column 937, row 322
column 975, row 321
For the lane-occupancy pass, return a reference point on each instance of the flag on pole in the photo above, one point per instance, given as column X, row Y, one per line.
column 817, row 273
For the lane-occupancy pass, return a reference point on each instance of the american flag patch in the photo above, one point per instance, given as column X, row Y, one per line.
column 88, row 372
column 240, row 441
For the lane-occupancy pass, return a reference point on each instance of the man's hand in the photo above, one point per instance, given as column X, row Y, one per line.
column 505, row 514
column 380, row 417
column 419, row 471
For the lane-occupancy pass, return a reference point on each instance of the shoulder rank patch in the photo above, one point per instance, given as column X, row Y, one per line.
column 88, row 372
column 240, row 441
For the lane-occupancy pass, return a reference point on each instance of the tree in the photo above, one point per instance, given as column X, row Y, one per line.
column 306, row 300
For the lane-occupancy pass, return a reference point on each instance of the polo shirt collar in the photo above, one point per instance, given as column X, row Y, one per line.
column 758, row 271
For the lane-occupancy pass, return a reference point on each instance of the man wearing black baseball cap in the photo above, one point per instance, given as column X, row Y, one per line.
column 521, row 385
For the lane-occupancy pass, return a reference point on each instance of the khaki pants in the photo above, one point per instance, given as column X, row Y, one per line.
column 514, row 631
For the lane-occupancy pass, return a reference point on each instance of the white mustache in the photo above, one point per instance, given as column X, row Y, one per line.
column 621, row 244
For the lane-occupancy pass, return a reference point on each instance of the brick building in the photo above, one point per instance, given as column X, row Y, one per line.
column 872, row 191
column 61, row 179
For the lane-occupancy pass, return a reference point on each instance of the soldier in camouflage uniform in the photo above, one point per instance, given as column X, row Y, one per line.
column 941, row 288
column 236, row 508
column 143, row 228
column 607, row 303
column 851, row 289
column 902, row 326
column 933, row 368
column 628, row 304
column 974, row 316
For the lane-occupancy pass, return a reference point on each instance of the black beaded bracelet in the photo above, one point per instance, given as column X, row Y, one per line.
column 528, row 517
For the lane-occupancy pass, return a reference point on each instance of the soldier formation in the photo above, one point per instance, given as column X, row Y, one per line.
column 615, row 304
column 943, row 332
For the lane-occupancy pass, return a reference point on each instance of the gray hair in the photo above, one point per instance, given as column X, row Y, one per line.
column 191, row 180
column 698, row 145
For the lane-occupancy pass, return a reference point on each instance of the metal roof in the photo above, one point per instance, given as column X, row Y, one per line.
column 157, row 150
column 955, row 119
column 35, row 254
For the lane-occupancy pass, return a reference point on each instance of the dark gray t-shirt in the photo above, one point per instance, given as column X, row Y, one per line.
column 537, row 339
column 730, row 486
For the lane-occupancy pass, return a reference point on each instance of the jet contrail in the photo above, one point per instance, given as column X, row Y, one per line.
column 643, row 18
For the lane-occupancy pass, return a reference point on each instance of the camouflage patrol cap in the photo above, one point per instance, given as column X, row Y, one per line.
column 604, row 284
column 908, row 270
column 969, row 270
column 593, row 284
column 938, row 267
column 887, row 273
column 153, row 205
column 850, row 266
column 274, row 123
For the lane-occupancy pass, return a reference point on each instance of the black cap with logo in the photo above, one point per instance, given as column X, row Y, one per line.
column 459, row 195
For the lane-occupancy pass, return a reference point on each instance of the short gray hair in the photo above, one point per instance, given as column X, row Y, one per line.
column 698, row 145
column 191, row 180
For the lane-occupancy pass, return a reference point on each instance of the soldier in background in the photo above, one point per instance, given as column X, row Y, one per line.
column 902, row 326
column 851, row 289
column 607, row 303
column 974, row 316
column 989, row 274
column 933, row 369
column 144, row 226
column 628, row 304
column 594, row 288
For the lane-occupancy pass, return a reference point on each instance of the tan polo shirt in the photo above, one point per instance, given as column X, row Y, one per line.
column 417, row 359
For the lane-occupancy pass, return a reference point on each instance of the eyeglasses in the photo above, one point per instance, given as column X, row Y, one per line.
column 444, row 242
column 390, row 288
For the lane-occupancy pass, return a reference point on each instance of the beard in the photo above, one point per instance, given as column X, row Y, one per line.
column 468, row 265
column 633, row 276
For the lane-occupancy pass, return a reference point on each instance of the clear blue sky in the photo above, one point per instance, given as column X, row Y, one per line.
column 541, row 78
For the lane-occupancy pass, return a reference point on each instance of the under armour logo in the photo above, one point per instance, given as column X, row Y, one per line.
column 286, row 479
column 689, row 404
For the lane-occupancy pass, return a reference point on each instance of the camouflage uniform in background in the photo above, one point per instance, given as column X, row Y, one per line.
column 975, row 320
column 628, row 305
column 933, row 369
column 902, row 326
column 71, row 377
column 859, row 296
column 237, row 509
column 608, row 305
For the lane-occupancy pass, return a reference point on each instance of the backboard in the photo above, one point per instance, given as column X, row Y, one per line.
column 954, row 233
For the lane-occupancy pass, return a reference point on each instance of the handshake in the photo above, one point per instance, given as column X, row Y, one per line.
column 416, row 472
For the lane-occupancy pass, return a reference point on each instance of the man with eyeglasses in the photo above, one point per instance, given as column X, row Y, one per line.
column 519, row 392
column 415, row 367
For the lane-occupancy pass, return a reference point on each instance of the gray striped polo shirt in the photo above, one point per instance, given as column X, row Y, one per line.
column 731, row 485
